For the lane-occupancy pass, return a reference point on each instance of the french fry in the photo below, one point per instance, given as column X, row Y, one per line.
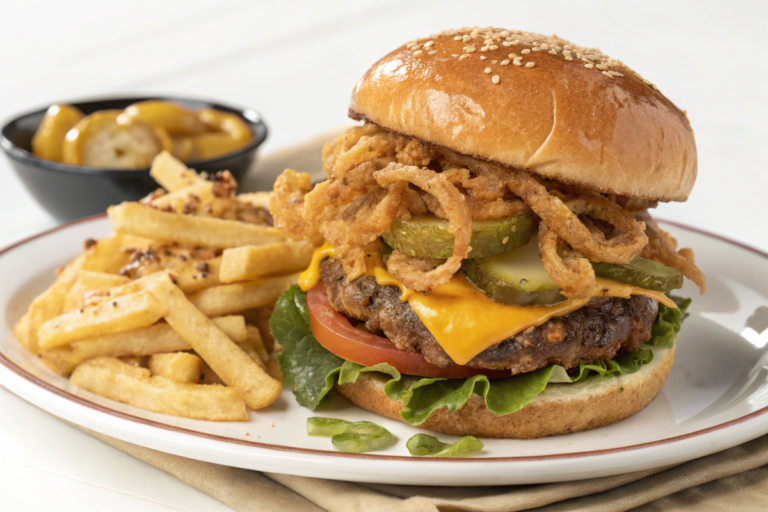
column 255, row 341
column 257, row 199
column 234, row 298
column 192, row 279
column 145, row 221
column 209, row 376
column 47, row 305
column 120, row 314
column 139, row 361
column 171, row 173
column 255, row 357
column 259, row 317
column 273, row 367
column 145, row 341
column 252, row 262
column 178, row 200
column 230, row 363
column 135, row 286
column 178, row 366
column 116, row 380
column 88, row 281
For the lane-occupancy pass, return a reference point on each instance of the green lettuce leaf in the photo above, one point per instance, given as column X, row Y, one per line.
column 425, row 445
column 668, row 323
column 308, row 368
column 311, row 370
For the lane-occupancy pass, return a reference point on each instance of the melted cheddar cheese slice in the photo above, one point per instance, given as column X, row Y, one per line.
column 464, row 320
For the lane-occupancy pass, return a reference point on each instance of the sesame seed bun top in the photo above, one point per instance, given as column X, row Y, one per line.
column 541, row 103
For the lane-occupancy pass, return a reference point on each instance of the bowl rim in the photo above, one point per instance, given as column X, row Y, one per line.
column 250, row 115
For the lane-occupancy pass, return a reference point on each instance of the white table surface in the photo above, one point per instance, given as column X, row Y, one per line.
column 296, row 62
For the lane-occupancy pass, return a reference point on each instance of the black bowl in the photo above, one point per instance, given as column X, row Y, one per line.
column 72, row 191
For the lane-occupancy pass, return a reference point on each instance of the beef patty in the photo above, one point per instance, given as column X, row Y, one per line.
column 596, row 331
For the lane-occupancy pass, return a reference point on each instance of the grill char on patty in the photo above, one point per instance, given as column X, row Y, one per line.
column 596, row 331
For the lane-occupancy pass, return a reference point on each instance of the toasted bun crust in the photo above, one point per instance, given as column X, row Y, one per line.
column 560, row 409
column 556, row 117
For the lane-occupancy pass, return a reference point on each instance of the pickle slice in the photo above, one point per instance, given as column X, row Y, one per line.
column 643, row 273
column 515, row 277
column 428, row 237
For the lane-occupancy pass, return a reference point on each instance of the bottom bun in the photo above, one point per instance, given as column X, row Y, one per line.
column 560, row 409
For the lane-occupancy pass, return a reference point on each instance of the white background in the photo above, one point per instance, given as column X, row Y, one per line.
column 296, row 63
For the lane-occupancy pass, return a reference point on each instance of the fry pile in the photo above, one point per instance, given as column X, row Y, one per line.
column 170, row 313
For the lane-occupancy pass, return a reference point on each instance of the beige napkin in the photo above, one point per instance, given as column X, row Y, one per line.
column 733, row 480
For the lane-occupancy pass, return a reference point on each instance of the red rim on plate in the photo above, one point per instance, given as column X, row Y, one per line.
column 136, row 419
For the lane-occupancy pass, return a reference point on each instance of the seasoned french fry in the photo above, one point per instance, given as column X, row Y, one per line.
column 47, row 305
column 179, row 200
column 171, row 173
column 257, row 199
column 256, row 387
column 120, row 314
column 255, row 357
column 145, row 341
column 193, row 276
column 135, row 286
column 255, row 341
column 90, row 282
column 145, row 221
column 116, row 380
column 233, row 298
column 252, row 262
column 178, row 366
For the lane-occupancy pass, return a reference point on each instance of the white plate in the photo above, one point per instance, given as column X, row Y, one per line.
column 716, row 396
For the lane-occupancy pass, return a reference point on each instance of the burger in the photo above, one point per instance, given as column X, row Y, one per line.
column 486, row 263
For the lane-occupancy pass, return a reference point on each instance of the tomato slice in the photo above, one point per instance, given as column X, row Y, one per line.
column 334, row 332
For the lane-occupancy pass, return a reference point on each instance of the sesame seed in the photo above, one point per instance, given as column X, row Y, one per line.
column 505, row 62
column 484, row 49
column 607, row 74
column 517, row 59
column 416, row 47
column 526, row 51
column 504, row 33
column 493, row 47
column 544, row 46
column 428, row 44
column 530, row 64
column 433, row 52
column 602, row 67
column 466, row 39
column 589, row 66
column 470, row 49
column 483, row 57
column 454, row 55
column 465, row 56
column 506, row 43
column 616, row 73
column 418, row 52
column 552, row 52
column 512, row 56
column 457, row 38
column 537, row 49
column 488, row 41
column 506, row 239
column 487, row 71
column 517, row 62
column 495, row 79
column 568, row 57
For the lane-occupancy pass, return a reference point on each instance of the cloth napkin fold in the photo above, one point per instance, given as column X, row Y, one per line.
column 732, row 480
